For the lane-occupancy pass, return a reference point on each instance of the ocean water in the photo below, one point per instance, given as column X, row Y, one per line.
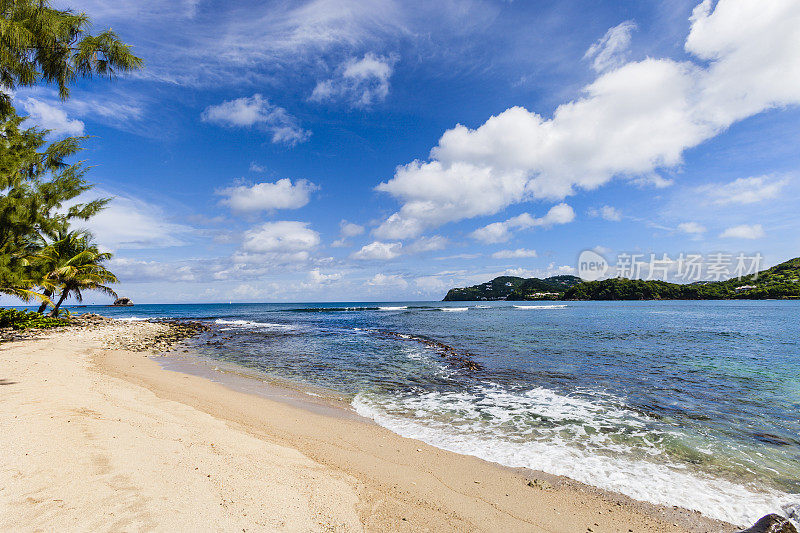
column 695, row 404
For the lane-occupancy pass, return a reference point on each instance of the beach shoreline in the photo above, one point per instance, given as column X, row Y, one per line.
column 140, row 445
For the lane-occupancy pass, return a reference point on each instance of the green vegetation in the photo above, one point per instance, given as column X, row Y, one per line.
column 780, row 281
column 15, row 319
column 41, row 44
column 543, row 289
column 514, row 288
column 72, row 263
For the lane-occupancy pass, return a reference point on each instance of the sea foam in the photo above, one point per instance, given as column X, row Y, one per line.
column 249, row 324
column 457, row 422
column 560, row 306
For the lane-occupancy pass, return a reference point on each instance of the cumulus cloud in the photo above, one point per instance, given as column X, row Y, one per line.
column 51, row 117
column 611, row 50
column 745, row 190
column 519, row 253
column 316, row 277
column 257, row 111
column 282, row 237
column 360, row 82
column 743, row 231
column 130, row 270
column 427, row 244
column 268, row 247
column 388, row 280
column 502, row 231
column 606, row 212
column 630, row 123
column 692, row 228
column 266, row 196
column 131, row 223
column 382, row 251
column 45, row 109
column 347, row 230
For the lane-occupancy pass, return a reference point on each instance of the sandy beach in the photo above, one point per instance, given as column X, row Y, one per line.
column 100, row 438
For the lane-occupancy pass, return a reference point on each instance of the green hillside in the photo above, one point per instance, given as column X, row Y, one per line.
column 780, row 281
column 513, row 288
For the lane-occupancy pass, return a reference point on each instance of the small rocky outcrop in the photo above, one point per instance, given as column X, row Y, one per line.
column 89, row 319
column 154, row 337
column 771, row 523
column 122, row 302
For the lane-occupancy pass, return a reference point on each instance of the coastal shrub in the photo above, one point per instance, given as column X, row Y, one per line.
column 16, row 319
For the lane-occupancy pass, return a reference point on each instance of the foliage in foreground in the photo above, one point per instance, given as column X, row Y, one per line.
column 16, row 319
column 39, row 182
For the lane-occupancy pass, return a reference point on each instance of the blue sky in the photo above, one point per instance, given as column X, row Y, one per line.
column 382, row 150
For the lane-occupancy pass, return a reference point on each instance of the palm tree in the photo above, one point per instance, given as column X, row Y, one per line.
column 72, row 264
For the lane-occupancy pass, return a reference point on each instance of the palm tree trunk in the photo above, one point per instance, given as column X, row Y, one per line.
column 42, row 307
column 63, row 297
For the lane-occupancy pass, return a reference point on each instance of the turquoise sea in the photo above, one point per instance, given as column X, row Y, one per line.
column 694, row 404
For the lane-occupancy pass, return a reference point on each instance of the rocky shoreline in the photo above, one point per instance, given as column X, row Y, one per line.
column 155, row 336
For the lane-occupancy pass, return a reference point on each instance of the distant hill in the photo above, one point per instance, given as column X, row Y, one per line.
column 780, row 281
column 514, row 288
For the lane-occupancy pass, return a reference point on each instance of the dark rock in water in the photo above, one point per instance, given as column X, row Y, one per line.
column 772, row 523
column 123, row 302
column 769, row 438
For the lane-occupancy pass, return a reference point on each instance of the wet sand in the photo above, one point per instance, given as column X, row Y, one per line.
column 101, row 438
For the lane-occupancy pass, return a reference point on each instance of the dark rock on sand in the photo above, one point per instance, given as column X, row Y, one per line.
column 772, row 523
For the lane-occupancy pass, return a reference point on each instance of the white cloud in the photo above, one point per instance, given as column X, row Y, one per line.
column 266, row 196
column 255, row 167
column 432, row 284
column 502, row 231
column 47, row 110
column 269, row 246
column 427, row 244
column 744, row 190
column 318, row 278
column 379, row 251
column 457, row 256
column 130, row 223
column 692, row 228
column 744, row 231
column 611, row 50
column 228, row 43
column 51, row 117
column 130, row 270
column 360, row 82
column 257, row 111
column 388, row 280
column 606, row 212
column 349, row 229
column 282, row 237
column 514, row 254
column 631, row 122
